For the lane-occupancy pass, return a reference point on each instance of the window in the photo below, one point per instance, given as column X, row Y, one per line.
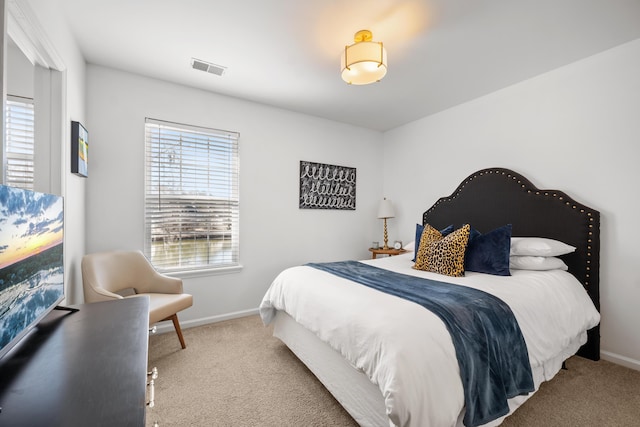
column 191, row 197
column 19, row 142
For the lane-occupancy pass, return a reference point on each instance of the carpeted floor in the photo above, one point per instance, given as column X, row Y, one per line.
column 235, row 373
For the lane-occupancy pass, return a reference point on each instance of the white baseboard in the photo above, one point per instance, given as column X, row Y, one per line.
column 164, row 327
column 620, row 360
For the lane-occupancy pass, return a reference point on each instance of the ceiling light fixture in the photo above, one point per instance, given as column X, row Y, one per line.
column 365, row 61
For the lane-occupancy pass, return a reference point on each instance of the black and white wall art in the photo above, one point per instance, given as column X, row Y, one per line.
column 325, row 186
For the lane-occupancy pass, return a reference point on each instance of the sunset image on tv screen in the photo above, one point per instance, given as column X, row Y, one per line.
column 31, row 258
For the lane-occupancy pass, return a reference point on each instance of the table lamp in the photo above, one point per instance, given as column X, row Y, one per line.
column 385, row 210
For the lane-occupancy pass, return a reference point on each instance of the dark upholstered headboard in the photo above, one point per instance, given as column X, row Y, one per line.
column 493, row 197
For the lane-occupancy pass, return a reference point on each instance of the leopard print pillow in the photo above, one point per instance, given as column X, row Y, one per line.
column 443, row 255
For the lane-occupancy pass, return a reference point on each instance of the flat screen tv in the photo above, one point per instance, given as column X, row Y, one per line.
column 31, row 261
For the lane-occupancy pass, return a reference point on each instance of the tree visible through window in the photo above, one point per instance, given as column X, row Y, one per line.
column 191, row 197
column 20, row 142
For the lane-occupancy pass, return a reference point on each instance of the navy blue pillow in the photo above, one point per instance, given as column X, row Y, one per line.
column 489, row 253
column 419, row 229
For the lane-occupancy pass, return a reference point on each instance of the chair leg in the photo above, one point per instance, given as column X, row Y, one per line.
column 176, row 325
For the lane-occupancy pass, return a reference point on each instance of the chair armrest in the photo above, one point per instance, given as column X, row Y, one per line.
column 163, row 284
column 99, row 295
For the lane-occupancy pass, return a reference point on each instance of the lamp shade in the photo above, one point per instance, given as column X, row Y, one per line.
column 385, row 210
column 365, row 61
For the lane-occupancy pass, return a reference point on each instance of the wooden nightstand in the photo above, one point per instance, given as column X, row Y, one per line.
column 390, row 252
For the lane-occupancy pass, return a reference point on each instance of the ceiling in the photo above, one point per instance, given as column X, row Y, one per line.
column 286, row 53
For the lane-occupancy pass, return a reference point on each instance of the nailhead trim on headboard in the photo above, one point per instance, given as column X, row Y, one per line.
column 584, row 227
column 560, row 196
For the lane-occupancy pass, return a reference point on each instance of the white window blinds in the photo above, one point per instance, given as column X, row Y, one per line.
column 19, row 142
column 191, row 197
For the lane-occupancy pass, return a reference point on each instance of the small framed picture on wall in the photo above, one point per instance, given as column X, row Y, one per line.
column 79, row 149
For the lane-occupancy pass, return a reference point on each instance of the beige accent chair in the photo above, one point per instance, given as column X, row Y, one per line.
column 114, row 275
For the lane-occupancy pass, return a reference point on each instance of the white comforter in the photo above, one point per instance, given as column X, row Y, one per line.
column 407, row 351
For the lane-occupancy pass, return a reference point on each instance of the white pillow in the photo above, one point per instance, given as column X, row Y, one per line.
column 536, row 263
column 539, row 246
column 410, row 246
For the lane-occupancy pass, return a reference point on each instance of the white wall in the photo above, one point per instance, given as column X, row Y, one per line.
column 20, row 73
column 274, row 232
column 575, row 129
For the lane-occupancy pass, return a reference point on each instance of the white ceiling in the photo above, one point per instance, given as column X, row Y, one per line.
column 286, row 53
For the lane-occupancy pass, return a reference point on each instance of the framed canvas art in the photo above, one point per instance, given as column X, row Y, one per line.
column 324, row 186
column 79, row 149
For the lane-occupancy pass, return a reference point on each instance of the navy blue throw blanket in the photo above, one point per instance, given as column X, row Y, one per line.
column 491, row 351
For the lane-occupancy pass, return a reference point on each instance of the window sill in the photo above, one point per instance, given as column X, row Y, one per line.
column 205, row 272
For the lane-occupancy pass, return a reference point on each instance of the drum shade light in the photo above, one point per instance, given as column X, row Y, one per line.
column 365, row 61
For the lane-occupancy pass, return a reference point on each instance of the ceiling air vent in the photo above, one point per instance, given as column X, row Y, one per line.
column 208, row 67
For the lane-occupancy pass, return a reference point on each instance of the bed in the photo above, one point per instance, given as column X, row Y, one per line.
column 362, row 344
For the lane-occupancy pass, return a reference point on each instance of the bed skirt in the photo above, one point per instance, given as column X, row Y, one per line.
column 356, row 393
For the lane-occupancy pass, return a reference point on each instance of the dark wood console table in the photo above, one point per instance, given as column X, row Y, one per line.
column 87, row 368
